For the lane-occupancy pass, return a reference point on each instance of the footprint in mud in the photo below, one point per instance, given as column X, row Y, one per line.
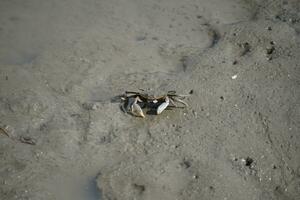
column 187, row 63
column 162, row 180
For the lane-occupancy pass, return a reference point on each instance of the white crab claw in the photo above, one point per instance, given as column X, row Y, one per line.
column 136, row 109
column 163, row 106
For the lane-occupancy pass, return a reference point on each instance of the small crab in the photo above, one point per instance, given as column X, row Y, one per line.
column 135, row 101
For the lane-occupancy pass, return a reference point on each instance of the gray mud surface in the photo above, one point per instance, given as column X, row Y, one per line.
column 62, row 61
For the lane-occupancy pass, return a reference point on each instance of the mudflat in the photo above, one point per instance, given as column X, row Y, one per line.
column 63, row 62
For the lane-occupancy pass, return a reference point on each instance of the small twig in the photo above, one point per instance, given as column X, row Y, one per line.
column 4, row 131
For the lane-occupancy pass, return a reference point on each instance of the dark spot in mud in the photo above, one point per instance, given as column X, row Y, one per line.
column 234, row 62
column 186, row 164
column 270, row 50
column 274, row 167
column 43, row 127
column 139, row 188
column 249, row 162
column 215, row 36
column 211, row 188
column 269, row 28
column 278, row 190
column 191, row 92
column 199, row 16
column 245, row 166
column 245, row 48
column 278, row 17
column 222, row 98
column 141, row 38
column 246, row 45
column 105, row 139
column 196, row 176
column 183, row 61
column 154, row 38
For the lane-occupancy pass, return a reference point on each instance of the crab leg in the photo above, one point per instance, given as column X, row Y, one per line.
column 163, row 106
column 178, row 100
column 181, row 96
column 131, row 101
column 131, row 92
column 174, row 104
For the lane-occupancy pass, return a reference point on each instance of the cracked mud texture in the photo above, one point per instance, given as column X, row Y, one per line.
column 62, row 62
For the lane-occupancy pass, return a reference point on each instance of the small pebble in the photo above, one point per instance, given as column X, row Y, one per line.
column 195, row 114
column 195, row 177
column 269, row 58
column 234, row 77
column 292, row 20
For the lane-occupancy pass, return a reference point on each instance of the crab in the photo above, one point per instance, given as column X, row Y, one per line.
column 134, row 102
